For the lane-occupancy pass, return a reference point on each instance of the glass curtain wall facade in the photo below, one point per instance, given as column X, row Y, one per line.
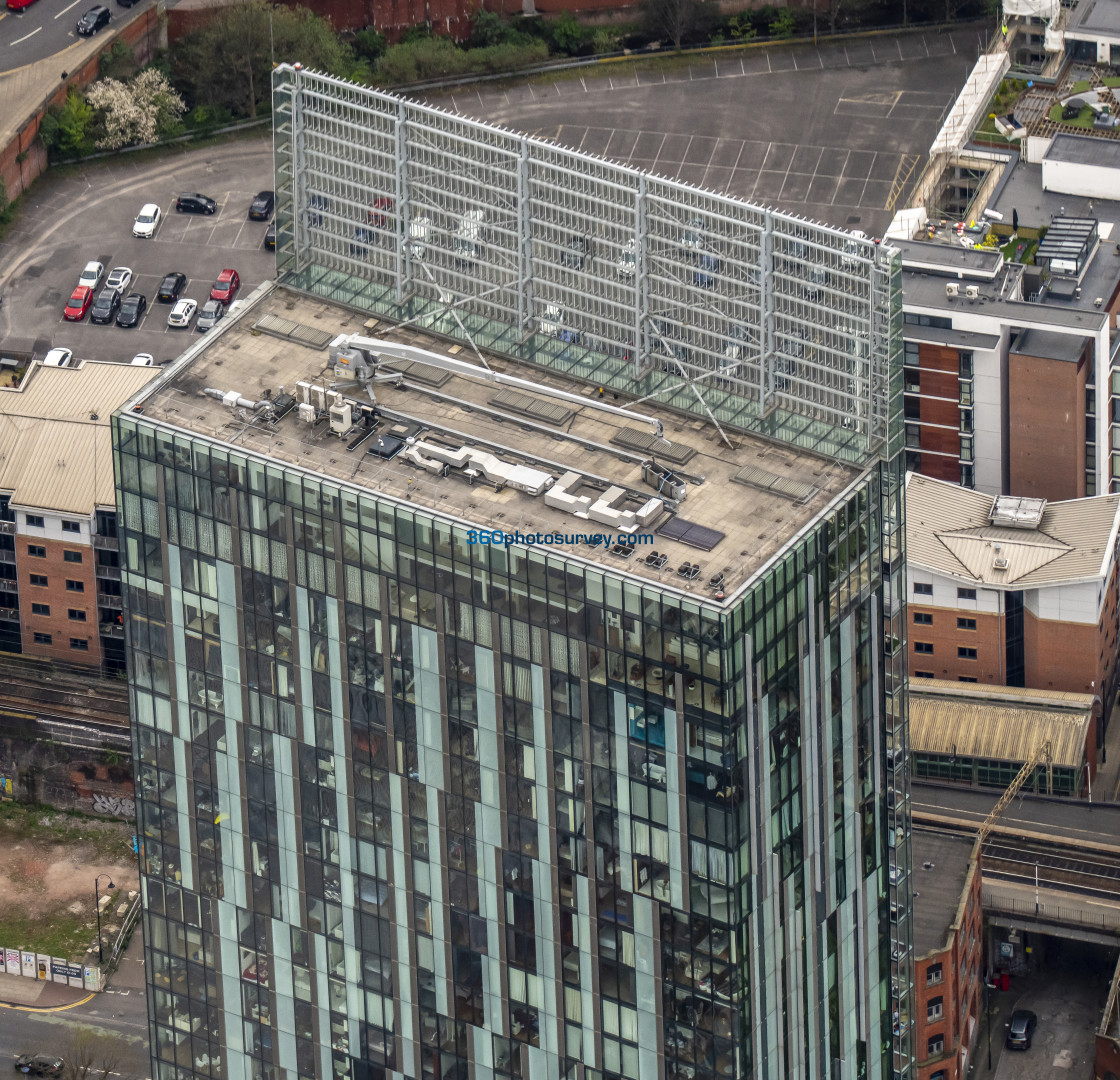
column 413, row 807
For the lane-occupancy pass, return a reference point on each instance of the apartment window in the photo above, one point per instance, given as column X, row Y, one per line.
column 935, row 1045
column 912, row 383
column 71, row 556
column 35, row 521
column 76, row 615
column 965, row 360
column 924, row 675
column 966, row 394
column 966, row 594
column 939, row 1075
column 910, row 357
column 106, row 523
column 966, row 420
column 36, row 551
column 933, row 1009
column 922, row 589
column 80, row 644
column 966, row 624
column 923, row 618
column 966, row 653
column 913, row 436
column 968, row 476
column 923, row 647
column 40, row 609
column 71, row 526
column 940, row 322
column 934, row 974
column 966, row 448
column 75, row 586
column 42, row 639
column 914, row 462
column 967, row 678
column 912, row 408
column 39, row 579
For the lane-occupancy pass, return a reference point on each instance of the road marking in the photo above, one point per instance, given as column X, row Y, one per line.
column 26, row 36
column 54, row 1009
column 66, row 9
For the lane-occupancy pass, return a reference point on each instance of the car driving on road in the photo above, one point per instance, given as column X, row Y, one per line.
column 1020, row 1031
column 40, row 1064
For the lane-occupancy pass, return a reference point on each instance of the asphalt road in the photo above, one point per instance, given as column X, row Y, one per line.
column 88, row 215
column 837, row 133
column 47, row 27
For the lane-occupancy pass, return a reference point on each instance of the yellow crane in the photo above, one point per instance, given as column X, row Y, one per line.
column 1041, row 753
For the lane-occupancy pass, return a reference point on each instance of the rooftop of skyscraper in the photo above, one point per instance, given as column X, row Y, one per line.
column 508, row 458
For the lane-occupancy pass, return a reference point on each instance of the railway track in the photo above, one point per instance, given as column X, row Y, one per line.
column 71, row 701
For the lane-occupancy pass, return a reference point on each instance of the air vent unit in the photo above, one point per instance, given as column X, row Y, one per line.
column 952, row 289
column 972, row 291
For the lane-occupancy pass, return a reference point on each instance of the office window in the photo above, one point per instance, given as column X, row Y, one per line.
column 923, row 618
column 72, row 556
column 934, row 1009
column 924, row 675
column 76, row 615
column 966, row 624
column 966, row 594
column 936, row 1045
column 34, row 521
column 72, row 526
column 42, row 639
column 40, row 609
column 934, row 974
column 923, row 647
column 36, row 551
column 922, row 590
column 966, row 653
column 75, row 586
column 39, row 579
column 80, row 644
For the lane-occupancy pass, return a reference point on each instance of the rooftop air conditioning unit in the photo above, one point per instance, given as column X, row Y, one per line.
column 952, row 289
column 341, row 418
column 972, row 291
column 307, row 412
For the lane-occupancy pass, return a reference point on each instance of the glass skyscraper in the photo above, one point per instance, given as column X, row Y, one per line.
column 416, row 805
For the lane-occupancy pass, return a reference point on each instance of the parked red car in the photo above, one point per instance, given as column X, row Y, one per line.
column 19, row 5
column 226, row 286
column 78, row 304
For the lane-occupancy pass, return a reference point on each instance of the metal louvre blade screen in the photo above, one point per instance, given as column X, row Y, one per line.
column 709, row 305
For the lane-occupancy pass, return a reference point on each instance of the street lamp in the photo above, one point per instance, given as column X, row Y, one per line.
column 1089, row 781
column 97, row 905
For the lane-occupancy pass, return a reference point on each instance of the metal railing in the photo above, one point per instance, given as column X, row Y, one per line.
column 123, row 938
column 1066, row 913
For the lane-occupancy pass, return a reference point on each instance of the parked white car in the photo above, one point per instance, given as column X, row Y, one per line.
column 91, row 275
column 182, row 313
column 119, row 278
column 142, row 359
column 59, row 358
column 147, row 221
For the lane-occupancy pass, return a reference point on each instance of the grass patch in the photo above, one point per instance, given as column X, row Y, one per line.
column 1026, row 256
column 1081, row 86
column 55, row 931
column 108, row 840
column 1112, row 81
column 1084, row 119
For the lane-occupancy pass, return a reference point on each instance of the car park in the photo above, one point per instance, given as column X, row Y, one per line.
column 78, row 304
column 93, row 20
column 270, row 236
column 142, row 359
column 132, row 310
column 147, row 221
column 1020, row 1030
column 190, row 202
column 40, row 1064
column 209, row 316
column 225, row 288
column 181, row 314
column 261, row 207
column 59, row 358
column 105, row 307
column 91, row 275
column 119, row 278
column 170, row 288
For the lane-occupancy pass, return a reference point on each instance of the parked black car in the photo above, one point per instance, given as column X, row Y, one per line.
column 127, row 3
column 1021, row 1029
column 132, row 309
column 40, row 1064
column 171, row 287
column 105, row 306
column 93, row 20
column 261, row 209
column 270, row 236
column 191, row 202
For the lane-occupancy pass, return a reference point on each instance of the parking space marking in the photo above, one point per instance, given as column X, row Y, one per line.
column 26, row 36
column 67, row 8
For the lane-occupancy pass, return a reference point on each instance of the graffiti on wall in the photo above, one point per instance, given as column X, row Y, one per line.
column 114, row 805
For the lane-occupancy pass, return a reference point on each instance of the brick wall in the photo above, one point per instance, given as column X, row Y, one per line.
column 946, row 638
column 1062, row 655
column 939, row 389
column 59, row 599
column 1046, row 401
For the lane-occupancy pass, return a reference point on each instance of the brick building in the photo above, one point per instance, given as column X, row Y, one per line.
column 1011, row 591
column 948, row 948
column 60, row 579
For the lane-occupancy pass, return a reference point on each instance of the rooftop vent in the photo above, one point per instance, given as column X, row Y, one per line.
column 1011, row 512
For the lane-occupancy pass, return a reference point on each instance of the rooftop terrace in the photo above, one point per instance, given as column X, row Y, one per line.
column 754, row 496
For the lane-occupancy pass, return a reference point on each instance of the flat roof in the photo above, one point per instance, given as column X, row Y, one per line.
column 1084, row 150
column 938, row 890
column 949, row 531
column 1049, row 346
column 1095, row 17
column 949, row 258
column 56, row 449
column 971, row 720
column 936, row 335
column 758, row 495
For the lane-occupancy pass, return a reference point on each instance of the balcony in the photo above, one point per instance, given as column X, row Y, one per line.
column 7, row 527
column 109, row 600
column 9, row 614
column 7, row 556
column 111, row 630
column 110, row 542
column 113, row 573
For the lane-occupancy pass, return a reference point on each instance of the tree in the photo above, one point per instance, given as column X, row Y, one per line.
column 66, row 130
column 228, row 62
column 90, row 1055
column 141, row 111
column 671, row 19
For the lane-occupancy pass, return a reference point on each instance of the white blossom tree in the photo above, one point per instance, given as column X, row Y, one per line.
column 142, row 110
